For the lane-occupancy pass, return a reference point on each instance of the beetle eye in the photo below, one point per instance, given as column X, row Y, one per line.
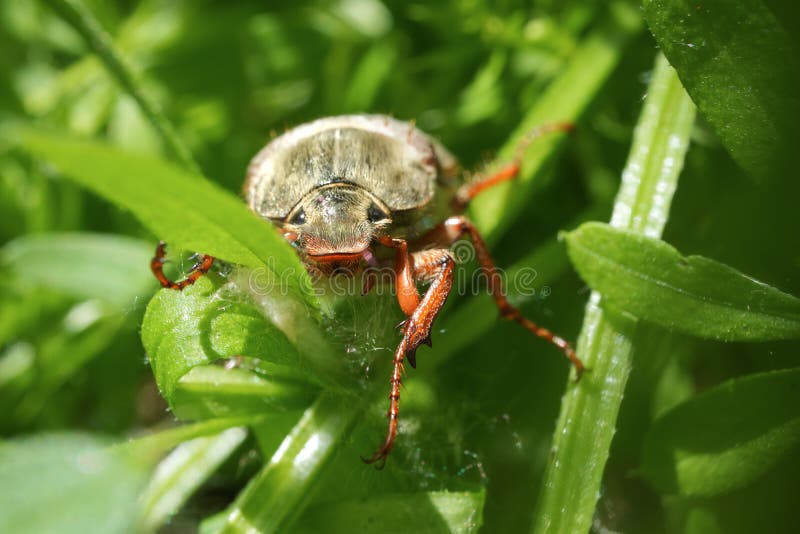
column 375, row 214
column 298, row 218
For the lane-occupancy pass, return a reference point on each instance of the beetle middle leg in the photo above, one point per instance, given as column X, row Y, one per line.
column 436, row 266
column 200, row 268
column 459, row 226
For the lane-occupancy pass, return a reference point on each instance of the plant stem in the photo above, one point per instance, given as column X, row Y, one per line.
column 278, row 493
column 589, row 410
column 98, row 40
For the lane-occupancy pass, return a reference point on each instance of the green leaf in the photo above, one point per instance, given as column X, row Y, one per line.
column 648, row 278
column 725, row 438
column 65, row 483
column 184, row 332
column 740, row 65
column 433, row 512
column 188, row 212
column 109, row 268
column 589, row 410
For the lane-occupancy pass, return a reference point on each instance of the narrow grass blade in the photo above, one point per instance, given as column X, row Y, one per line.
column 589, row 409
column 565, row 100
column 80, row 18
column 182, row 472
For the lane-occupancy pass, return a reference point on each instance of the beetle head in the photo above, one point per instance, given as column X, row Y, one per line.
column 336, row 222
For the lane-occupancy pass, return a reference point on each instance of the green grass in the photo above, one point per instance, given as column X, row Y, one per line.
column 671, row 209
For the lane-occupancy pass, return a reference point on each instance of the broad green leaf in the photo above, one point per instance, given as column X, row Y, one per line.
column 648, row 278
column 184, row 332
column 110, row 268
column 188, row 212
column 739, row 63
column 65, row 483
column 433, row 512
column 589, row 410
column 725, row 438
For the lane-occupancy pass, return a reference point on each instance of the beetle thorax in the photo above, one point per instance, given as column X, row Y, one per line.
column 335, row 221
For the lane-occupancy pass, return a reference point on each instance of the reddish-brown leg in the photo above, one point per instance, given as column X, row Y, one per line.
column 434, row 266
column 198, row 269
column 459, row 226
column 470, row 190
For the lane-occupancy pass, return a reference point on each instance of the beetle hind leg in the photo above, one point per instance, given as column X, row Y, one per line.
column 459, row 226
column 200, row 268
column 437, row 267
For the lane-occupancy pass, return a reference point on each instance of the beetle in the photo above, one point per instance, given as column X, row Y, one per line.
column 341, row 188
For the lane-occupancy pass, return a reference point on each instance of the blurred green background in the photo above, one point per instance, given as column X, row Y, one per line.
column 75, row 281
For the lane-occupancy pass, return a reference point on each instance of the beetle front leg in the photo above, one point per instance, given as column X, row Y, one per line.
column 436, row 267
column 198, row 269
column 459, row 226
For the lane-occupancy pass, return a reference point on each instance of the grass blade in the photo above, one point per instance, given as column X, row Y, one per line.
column 589, row 409
column 80, row 18
column 182, row 472
column 565, row 100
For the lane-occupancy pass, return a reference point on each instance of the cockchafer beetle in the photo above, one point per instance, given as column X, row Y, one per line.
column 339, row 188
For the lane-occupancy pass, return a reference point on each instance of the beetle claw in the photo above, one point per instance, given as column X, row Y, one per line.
column 411, row 356
column 378, row 460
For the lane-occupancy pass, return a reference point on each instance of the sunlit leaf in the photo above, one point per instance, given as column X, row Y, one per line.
column 184, row 332
column 648, row 278
column 185, row 210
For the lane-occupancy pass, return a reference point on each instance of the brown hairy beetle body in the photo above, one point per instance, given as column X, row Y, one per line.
column 340, row 188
